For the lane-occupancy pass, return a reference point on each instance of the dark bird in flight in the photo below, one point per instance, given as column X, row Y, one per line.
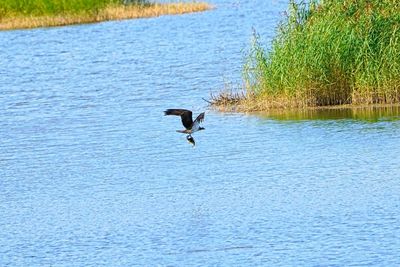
column 187, row 121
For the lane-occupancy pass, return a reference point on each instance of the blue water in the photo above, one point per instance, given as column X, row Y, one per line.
column 93, row 174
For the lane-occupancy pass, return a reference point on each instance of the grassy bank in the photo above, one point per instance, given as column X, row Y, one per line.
column 327, row 52
column 17, row 14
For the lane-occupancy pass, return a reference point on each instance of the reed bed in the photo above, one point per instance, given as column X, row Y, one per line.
column 45, row 13
column 327, row 52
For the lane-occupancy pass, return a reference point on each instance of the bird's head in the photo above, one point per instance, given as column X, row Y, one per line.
column 201, row 128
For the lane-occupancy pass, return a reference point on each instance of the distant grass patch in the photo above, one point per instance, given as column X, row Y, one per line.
column 12, row 8
column 328, row 52
column 41, row 13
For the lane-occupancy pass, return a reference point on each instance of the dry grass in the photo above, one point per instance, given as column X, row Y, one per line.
column 248, row 101
column 112, row 12
column 241, row 101
column 129, row 12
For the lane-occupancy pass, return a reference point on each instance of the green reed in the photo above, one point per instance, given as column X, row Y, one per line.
column 330, row 52
column 10, row 8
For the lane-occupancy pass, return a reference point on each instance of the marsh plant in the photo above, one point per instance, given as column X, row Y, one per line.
column 329, row 52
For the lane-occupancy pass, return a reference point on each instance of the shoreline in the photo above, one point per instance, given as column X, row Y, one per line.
column 109, row 13
column 239, row 102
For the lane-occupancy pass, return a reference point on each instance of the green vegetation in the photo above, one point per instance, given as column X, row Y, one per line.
column 21, row 14
column 328, row 52
column 10, row 8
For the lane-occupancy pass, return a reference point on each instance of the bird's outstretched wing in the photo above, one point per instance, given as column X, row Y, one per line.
column 196, row 123
column 186, row 116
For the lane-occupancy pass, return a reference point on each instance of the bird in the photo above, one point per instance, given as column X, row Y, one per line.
column 187, row 121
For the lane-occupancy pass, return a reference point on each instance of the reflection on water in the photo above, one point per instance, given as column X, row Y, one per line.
column 372, row 113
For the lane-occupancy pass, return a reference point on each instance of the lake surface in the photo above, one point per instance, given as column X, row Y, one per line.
column 93, row 174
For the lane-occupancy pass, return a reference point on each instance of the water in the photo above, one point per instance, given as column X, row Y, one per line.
column 93, row 174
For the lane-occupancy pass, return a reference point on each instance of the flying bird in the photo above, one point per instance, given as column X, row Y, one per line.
column 187, row 121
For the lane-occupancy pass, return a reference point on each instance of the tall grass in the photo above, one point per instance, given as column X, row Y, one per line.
column 329, row 52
